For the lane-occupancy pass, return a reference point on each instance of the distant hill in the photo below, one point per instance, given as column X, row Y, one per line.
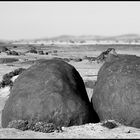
column 76, row 38
column 125, row 37
column 93, row 37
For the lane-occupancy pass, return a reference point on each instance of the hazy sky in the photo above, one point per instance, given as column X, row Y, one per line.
column 36, row 19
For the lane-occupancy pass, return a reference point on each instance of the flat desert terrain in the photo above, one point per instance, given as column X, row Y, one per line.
column 88, row 71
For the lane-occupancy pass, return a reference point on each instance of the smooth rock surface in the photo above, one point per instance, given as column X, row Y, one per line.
column 116, row 95
column 50, row 91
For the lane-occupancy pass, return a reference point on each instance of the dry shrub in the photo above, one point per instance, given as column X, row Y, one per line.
column 34, row 125
column 6, row 80
column 110, row 124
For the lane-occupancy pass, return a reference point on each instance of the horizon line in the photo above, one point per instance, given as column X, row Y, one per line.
column 54, row 36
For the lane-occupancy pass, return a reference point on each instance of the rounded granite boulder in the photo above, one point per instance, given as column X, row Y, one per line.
column 116, row 95
column 51, row 91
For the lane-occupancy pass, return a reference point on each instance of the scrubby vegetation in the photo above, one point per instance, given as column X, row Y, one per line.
column 33, row 51
column 34, row 125
column 71, row 59
column 90, row 58
column 5, row 83
column 12, row 53
column 77, row 59
column 6, row 80
column 55, row 51
column 41, row 52
column 14, row 46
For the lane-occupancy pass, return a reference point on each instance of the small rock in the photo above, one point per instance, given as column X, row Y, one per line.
column 109, row 124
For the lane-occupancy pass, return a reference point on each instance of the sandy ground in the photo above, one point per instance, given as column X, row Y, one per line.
column 89, row 131
column 88, row 71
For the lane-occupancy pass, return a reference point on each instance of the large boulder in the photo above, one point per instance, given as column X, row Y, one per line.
column 50, row 91
column 116, row 95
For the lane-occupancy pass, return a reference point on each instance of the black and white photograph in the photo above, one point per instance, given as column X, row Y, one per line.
column 69, row 69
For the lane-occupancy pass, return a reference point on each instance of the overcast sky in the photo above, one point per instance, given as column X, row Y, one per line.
column 36, row 19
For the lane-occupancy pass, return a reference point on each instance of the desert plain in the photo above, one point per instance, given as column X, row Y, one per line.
column 88, row 71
